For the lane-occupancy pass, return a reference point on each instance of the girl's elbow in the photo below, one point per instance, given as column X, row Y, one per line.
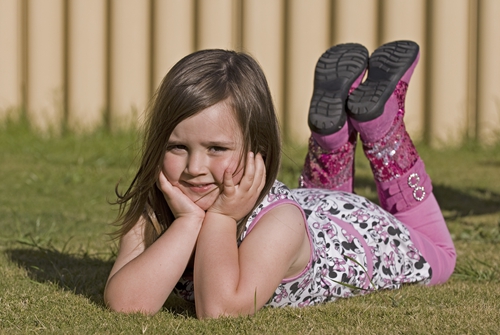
column 214, row 311
column 130, row 308
column 215, row 314
column 207, row 311
column 122, row 304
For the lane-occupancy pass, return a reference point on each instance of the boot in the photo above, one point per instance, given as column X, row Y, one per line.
column 330, row 160
column 376, row 110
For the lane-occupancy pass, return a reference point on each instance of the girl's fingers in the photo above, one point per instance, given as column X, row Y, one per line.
column 163, row 184
column 237, row 200
column 249, row 174
column 178, row 202
column 255, row 173
column 229, row 187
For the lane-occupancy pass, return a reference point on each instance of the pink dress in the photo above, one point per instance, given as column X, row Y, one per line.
column 356, row 248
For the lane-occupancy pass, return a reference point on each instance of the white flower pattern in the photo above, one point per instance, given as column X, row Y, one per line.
column 357, row 248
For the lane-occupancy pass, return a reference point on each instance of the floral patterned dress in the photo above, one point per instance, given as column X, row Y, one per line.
column 356, row 248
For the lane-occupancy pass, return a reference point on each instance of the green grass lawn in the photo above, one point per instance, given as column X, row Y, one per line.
column 55, row 249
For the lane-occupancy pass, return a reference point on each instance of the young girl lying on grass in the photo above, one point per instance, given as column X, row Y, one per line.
column 205, row 218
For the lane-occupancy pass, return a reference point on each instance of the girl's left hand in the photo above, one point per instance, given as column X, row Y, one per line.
column 178, row 202
column 236, row 201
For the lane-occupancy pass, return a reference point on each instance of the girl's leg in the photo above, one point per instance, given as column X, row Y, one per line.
column 403, row 186
column 330, row 159
column 430, row 235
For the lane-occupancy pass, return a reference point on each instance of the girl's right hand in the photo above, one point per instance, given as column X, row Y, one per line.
column 179, row 203
column 142, row 278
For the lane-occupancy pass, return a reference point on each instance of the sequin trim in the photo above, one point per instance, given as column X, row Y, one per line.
column 394, row 154
column 328, row 169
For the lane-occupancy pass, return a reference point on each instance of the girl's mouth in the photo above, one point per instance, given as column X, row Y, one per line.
column 199, row 188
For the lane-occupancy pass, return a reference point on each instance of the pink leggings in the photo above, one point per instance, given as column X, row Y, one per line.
column 428, row 230
column 430, row 235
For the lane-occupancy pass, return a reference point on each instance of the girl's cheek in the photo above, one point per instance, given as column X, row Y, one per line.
column 238, row 175
column 172, row 168
column 238, row 168
column 233, row 164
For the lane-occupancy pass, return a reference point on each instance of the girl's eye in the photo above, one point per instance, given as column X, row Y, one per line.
column 176, row 147
column 218, row 149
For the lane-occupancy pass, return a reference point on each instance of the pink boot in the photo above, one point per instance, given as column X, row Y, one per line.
column 376, row 109
column 330, row 160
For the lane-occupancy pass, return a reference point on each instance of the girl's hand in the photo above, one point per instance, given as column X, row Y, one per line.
column 236, row 201
column 179, row 203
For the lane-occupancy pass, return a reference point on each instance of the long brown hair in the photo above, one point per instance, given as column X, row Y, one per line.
column 196, row 82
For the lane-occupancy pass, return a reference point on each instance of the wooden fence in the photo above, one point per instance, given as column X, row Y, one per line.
column 83, row 63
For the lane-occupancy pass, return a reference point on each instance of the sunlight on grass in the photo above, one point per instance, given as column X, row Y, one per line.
column 56, row 251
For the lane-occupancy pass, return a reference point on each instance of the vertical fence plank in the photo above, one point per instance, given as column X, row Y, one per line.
column 472, row 66
column 263, row 34
column 217, row 24
column 355, row 21
column 448, row 71
column 488, row 92
column 45, row 68
column 86, row 64
column 130, row 61
column 10, row 58
column 308, row 36
column 405, row 20
column 173, row 34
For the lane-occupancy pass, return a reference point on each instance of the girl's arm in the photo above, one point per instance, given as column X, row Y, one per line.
column 238, row 281
column 142, row 279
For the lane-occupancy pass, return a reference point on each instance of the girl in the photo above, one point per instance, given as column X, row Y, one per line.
column 205, row 218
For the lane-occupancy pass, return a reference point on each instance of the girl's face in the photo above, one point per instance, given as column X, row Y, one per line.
column 200, row 149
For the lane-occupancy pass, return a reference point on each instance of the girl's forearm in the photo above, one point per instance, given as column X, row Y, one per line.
column 216, row 267
column 144, row 284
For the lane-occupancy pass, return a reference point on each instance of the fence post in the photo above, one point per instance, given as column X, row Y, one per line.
column 86, row 64
column 10, row 58
column 405, row 20
column 263, row 35
column 488, row 92
column 448, row 71
column 173, row 35
column 129, row 61
column 45, row 66
column 308, row 36
column 218, row 24
column 355, row 21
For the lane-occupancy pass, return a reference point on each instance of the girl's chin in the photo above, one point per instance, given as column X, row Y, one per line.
column 203, row 206
column 206, row 202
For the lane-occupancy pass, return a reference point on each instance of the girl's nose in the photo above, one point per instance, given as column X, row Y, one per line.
column 196, row 164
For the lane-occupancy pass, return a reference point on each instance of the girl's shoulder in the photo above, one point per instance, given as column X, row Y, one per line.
column 278, row 195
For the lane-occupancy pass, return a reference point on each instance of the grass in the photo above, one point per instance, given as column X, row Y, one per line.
column 55, row 252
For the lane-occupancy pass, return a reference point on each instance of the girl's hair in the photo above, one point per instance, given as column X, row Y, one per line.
column 196, row 82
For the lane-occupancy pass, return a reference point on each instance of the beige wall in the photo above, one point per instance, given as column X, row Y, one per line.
column 82, row 63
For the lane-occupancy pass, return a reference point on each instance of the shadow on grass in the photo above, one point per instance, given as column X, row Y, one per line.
column 81, row 274
column 475, row 201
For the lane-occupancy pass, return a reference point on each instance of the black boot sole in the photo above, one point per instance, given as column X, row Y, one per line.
column 386, row 67
column 337, row 69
